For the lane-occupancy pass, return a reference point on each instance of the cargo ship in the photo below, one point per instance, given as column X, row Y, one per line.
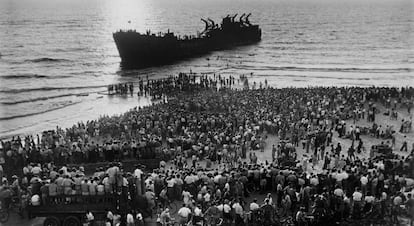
column 140, row 50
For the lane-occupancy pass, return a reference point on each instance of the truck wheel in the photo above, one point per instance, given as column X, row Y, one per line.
column 51, row 221
column 4, row 216
column 71, row 221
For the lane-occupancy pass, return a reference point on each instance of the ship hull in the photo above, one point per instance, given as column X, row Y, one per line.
column 141, row 51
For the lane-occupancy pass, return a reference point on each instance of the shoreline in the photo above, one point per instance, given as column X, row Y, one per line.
column 106, row 106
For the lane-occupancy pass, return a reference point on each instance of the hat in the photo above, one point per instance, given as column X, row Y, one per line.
column 14, row 177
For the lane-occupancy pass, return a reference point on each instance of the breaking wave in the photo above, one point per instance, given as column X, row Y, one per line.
column 333, row 69
column 49, row 89
column 46, row 59
column 30, row 76
column 37, row 99
column 39, row 112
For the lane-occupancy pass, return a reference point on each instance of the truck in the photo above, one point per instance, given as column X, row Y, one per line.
column 70, row 210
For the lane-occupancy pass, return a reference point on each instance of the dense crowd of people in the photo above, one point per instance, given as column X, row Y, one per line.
column 121, row 89
column 207, row 120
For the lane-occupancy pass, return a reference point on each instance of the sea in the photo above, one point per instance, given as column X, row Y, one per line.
column 58, row 56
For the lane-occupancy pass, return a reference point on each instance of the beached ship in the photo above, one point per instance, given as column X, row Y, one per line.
column 143, row 50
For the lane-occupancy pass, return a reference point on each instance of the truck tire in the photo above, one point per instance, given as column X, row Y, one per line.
column 71, row 221
column 4, row 216
column 51, row 221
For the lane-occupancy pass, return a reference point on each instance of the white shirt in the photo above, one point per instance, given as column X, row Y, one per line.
column 184, row 212
column 112, row 171
column 138, row 173
column 170, row 183
column 36, row 170
column 90, row 216
column 25, row 170
column 364, row 180
column 338, row 192
column 186, row 197
column 226, row 208
column 254, row 206
column 369, row 199
column 110, row 215
column 207, row 197
column 189, row 179
column 314, row 181
column 227, row 186
column 100, row 188
column 130, row 219
column 409, row 182
column 238, row 209
column 35, row 200
column 197, row 212
column 357, row 196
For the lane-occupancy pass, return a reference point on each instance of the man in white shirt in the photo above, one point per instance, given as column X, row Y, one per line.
column 207, row 197
column 186, row 197
column 238, row 211
column 109, row 216
column 357, row 195
column 225, row 209
column 254, row 206
column 198, row 215
column 112, row 172
column 184, row 214
column 89, row 217
column 130, row 219
column 36, row 170
column 357, row 198
column 170, row 188
column 138, row 172
column 314, row 181
column 364, row 182
column 35, row 200
column 338, row 192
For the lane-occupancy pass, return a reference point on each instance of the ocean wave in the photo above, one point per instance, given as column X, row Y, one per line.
column 49, row 89
column 46, row 59
column 69, row 49
column 67, row 104
column 37, row 99
column 30, row 76
column 294, row 77
column 295, row 42
column 333, row 69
